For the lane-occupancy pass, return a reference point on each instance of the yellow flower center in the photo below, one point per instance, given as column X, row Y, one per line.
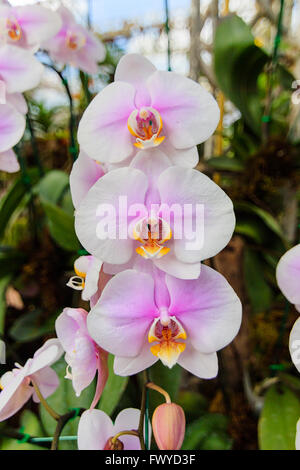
column 166, row 332
column 13, row 29
column 145, row 125
column 152, row 233
column 75, row 40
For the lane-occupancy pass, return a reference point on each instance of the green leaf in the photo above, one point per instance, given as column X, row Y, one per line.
column 61, row 226
column 114, row 389
column 277, row 423
column 259, row 292
column 226, row 163
column 14, row 197
column 208, row 433
column 31, row 326
column 265, row 216
column 31, row 425
column 52, row 186
column 11, row 260
column 193, row 403
column 238, row 63
column 168, row 379
column 62, row 401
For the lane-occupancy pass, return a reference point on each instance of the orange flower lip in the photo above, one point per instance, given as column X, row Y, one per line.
column 13, row 30
column 152, row 233
column 166, row 333
column 146, row 125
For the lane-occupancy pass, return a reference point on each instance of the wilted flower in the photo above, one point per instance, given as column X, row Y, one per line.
column 168, row 424
column 75, row 45
column 27, row 26
column 288, row 275
column 155, row 232
column 147, row 108
column 96, row 430
column 141, row 318
column 83, row 355
column 16, row 385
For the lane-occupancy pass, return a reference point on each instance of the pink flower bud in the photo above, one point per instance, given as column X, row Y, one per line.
column 168, row 423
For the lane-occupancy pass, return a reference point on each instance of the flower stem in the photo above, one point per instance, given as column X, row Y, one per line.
column 61, row 422
column 72, row 146
column 158, row 389
column 47, row 407
column 143, row 411
column 124, row 433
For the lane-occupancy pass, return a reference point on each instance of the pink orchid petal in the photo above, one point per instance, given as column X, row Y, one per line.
column 187, row 157
column 47, row 355
column 103, row 132
column 37, row 23
column 69, row 322
column 92, row 229
column 91, row 280
column 85, row 172
column 204, row 366
column 136, row 69
column 125, row 366
column 298, row 436
column 15, row 394
column 18, row 101
column 172, row 265
column 294, row 344
column 9, row 161
column 20, row 70
column 128, row 420
column 12, row 127
column 47, row 381
column 187, row 186
column 288, row 275
column 208, row 308
column 190, row 114
column 122, row 331
column 94, row 430
column 102, row 375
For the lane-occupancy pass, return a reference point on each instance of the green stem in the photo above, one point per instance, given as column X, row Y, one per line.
column 72, row 146
column 47, row 407
column 143, row 411
column 167, row 27
column 33, row 142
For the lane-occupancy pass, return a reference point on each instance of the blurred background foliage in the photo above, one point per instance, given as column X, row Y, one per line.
column 251, row 66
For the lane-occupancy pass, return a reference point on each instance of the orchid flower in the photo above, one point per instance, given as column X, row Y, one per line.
column 16, row 385
column 146, row 108
column 27, row 26
column 85, row 172
column 142, row 317
column 137, row 207
column 75, row 45
column 96, row 430
column 288, row 275
column 83, row 355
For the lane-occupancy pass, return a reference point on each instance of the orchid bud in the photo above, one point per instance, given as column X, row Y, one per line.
column 168, row 423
